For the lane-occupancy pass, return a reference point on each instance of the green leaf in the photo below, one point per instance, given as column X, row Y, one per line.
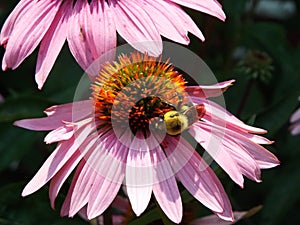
column 284, row 197
column 19, row 107
column 34, row 209
column 15, row 144
column 278, row 114
column 147, row 217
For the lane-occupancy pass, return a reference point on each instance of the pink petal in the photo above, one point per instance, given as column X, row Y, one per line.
column 210, row 141
column 167, row 24
column 112, row 172
column 211, row 7
column 209, row 90
column 29, row 31
column 253, row 137
column 187, row 22
column 197, row 176
column 263, row 158
column 77, row 38
column 90, row 177
column 76, row 110
column 139, row 175
column 52, row 43
column 295, row 128
column 246, row 163
column 295, row 116
column 82, row 189
column 136, row 26
column 86, row 43
column 91, row 173
column 13, row 19
column 56, row 115
column 258, row 139
column 218, row 115
column 222, row 146
column 65, row 209
column 165, row 187
column 214, row 220
column 103, row 40
column 61, row 134
column 59, row 178
column 57, row 159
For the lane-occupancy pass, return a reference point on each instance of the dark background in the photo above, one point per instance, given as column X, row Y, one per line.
column 256, row 46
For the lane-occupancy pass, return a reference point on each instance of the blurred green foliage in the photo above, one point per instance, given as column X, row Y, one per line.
column 264, row 104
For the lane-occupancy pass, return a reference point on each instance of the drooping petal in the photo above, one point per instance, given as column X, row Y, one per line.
column 57, row 159
column 187, row 22
column 209, row 91
column 52, row 43
column 136, row 26
column 253, row 137
column 18, row 12
column 82, row 189
column 211, row 7
column 86, row 43
column 29, row 31
column 197, row 176
column 218, row 115
column 139, row 174
column 90, row 174
column 165, row 187
column 65, row 209
column 61, row 134
column 56, row 115
column 112, row 171
column 210, row 140
column 59, row 178
column 102, row 40
column 77, row 36
column 167, row 24
column 264, row 158
column 234, row 141
column 76, row 110
column 231, row 156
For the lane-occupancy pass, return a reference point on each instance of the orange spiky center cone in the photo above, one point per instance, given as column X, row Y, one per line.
column 135, row 90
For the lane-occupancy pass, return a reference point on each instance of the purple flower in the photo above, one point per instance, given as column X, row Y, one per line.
column 90, row 28
column 133, row 132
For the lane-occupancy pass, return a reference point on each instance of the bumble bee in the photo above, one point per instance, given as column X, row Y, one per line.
column 175, row 122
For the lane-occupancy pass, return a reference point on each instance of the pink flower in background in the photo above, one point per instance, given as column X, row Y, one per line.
column 295, row 120
column 133, row 131
column 90, row 28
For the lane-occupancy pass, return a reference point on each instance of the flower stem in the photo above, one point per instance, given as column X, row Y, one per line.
column 245, row 97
